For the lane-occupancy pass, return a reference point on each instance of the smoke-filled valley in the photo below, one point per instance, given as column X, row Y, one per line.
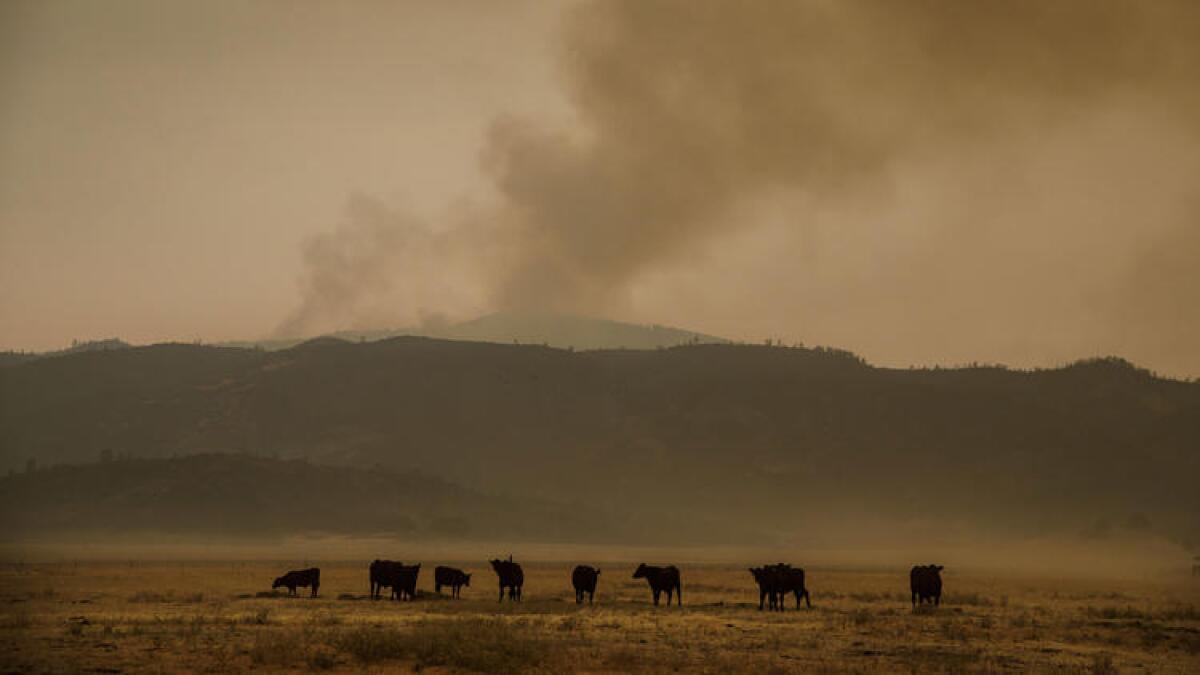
column 803, row 446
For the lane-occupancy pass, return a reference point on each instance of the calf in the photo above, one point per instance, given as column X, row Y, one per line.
column 383, row 574
column 404, row 581
column 452, row 577
column 511, row 577
column 926, row 584
column 661, row 579
column 303, row 578
column 584, row 579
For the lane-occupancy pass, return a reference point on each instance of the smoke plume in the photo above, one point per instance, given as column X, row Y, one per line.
column 886, row 160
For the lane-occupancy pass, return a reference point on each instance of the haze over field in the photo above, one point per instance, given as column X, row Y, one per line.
column 890, row 305
column 920, row 182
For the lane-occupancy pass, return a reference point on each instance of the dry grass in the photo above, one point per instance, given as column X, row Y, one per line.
column 209, row 617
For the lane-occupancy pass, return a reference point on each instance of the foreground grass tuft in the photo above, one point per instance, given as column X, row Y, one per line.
column 490, row 645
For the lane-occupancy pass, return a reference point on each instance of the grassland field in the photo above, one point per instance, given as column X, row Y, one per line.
column 176, row 616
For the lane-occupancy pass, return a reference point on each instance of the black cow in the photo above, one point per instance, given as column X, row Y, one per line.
column 926, row 584
column 404, row 581
column 511, row 577
column 584, row 579
column 452, row 577
column 661, row 579
column 383, row 575
column 776, row 581
column 304, row 578
column 765, row 578
column 790, row 579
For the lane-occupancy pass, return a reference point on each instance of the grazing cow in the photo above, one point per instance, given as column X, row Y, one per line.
column 661, row 579
column 452, row 577
column 584, row 579
column 383, row 575
column 304, row 578
column 511, row 577
column 926, row 584
column 404, row 581
column 776, row 581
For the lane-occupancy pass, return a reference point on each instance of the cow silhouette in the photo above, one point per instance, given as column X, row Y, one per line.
column 661, row 580
column 451, row 577
column 511, row 576
column 302, row 578
column 584, row 579
column 926, row 584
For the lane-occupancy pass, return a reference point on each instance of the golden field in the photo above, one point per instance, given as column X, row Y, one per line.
column 211, row 616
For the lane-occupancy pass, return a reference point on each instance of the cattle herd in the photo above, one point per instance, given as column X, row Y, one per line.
column 775, row 582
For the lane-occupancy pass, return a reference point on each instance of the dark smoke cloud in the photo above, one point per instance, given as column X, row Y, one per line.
column 690, row 112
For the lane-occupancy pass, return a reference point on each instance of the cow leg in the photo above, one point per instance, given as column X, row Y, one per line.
column 501, row 593
column 937, row 600
column 315, row 588
column 656, row 592
column 807, row 600
column 679, row 595
column 591, row 597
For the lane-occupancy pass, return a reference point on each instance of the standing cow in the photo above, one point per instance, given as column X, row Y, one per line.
column 776, row 581
column 584, row 579
column 302, row 578
column 926, row 584
column 790, row 579
column 383, row 575
column 451, row 577
column 511, row 577
column 661, row 579
column 404, row 582
column 767, row 590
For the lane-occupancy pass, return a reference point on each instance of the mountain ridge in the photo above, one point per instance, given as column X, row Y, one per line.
column 736, row 433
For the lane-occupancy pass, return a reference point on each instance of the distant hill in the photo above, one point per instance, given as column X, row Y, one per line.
column 553, row 330
column 244, row 495
column 802, row 443
column 570, row 332
column 13, row 358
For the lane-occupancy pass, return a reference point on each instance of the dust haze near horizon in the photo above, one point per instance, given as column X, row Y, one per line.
column 923, row 182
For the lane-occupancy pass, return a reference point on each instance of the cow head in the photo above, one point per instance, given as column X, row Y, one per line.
column 466, row 580
column 936, row 568
column 497, row 564
column 641, row 571
column 278, row 583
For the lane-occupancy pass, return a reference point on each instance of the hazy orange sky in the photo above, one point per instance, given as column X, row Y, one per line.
column 920, row 182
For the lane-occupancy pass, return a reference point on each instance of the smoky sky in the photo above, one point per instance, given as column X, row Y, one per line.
column 922, row 182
